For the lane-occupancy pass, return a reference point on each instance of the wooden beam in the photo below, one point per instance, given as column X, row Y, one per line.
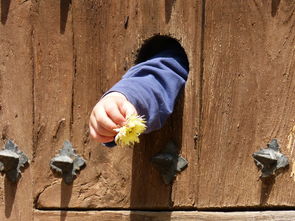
column 248, row 99
column 162, row 216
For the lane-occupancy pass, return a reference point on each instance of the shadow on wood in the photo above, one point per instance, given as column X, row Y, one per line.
column 10, row 191
column 168, row 9
column 64, row 11
column 65, row 197
column 267, row 184
column 5, row 5
column 274, row 7
column 266, row 187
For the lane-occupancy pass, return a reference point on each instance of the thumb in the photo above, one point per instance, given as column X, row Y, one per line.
column 128, row 109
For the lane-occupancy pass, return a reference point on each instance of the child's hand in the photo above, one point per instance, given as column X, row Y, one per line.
column 109, row 113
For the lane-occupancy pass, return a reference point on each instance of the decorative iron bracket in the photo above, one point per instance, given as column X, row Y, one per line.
column 12, row 160
column 169, row 163
column 270, row 159
column 67, row 163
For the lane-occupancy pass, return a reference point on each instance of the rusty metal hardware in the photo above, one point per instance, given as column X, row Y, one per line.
column 67, row 163
column 12, row 160
column 169, row 163
column 270, row 159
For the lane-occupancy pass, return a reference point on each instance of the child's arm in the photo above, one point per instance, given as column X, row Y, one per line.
column 151, row 86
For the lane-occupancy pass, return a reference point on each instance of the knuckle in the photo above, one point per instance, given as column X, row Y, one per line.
column 110, row 107
column 106, row 132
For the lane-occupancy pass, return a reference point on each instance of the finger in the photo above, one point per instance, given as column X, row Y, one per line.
column 99, row 129
column 103, row 119
column 93, row 122
column 99, row 138
column 103, row 139
column 128, row 109
column 92, row 132
column 115, row 114
column 104, row 132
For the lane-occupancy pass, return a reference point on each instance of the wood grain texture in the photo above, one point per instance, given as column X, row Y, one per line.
column 107, row 35
column 186, row 23
column 165, row 216
column 58, row 57
column 248, row 99
column 16, row 103
column 53, row 49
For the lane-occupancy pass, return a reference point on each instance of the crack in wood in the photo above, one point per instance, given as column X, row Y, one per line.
column 61, row 124
column 38, row 195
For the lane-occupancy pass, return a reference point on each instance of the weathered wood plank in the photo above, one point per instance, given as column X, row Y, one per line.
column 16, row 103
column 164, row 216
column 186, row 24
column 248, row 99
column 53, row 48
column 106, row 42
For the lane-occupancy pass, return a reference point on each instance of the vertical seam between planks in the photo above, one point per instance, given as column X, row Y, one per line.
column 202, row 43
column 33, row 59
column 32, row 48
column 74, row 75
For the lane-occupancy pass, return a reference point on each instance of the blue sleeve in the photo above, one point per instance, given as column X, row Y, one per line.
column 153, row 86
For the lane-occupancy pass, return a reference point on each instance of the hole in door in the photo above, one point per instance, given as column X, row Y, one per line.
column 159, row 43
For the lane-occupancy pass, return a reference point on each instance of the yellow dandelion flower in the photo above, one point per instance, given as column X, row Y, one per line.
column 128, row 134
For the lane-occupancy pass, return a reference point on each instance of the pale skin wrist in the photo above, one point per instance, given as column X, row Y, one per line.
column 115, row 94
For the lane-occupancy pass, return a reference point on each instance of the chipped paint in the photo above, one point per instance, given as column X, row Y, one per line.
column 293, row 172
column 291, row 139
column 290, row 147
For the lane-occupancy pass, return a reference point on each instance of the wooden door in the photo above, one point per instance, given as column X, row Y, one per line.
column 96, row 43
column 58, row 57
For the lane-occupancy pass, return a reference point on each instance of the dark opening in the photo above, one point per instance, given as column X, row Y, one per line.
column 159, row 43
